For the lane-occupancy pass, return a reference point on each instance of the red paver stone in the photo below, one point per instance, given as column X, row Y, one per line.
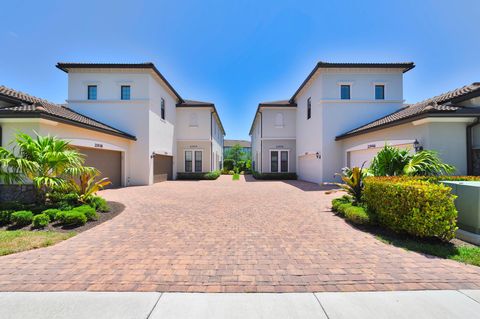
column 226, row 236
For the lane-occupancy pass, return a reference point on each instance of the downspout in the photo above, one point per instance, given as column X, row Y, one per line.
column 261, row 142
column 211, row 141
column 470, row 145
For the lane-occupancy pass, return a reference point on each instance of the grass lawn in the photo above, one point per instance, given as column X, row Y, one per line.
column 14, row 241
column 463, row 253
column 236, row 177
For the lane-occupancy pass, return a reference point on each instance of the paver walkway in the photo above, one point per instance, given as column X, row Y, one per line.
column 226, row 236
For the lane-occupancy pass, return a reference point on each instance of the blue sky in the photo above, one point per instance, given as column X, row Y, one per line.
column 239, row 53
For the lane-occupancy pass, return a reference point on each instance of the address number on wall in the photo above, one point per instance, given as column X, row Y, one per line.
column 98, row 145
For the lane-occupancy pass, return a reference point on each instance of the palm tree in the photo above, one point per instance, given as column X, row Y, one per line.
column 45, row 160
column 391, row 161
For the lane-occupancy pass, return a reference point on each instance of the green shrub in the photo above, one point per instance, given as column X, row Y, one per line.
column 22, row 218
column 40, row 220
column 198, row 176
column 5, row 217
column 65, row 206
column 275, row 176
column 74, row 218
column 99, row 203
column 228, row 164
column 357, row 215
column 51, row 213
column 59, row 197
column 339, row 201
column 236, row 177
column 411, row 205
column 88, row 211
column 60, row 216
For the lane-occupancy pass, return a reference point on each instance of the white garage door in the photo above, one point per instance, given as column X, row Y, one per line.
column 358, row 157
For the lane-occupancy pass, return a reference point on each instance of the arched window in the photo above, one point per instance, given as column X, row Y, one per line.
column 279, row 120
column 193, row 120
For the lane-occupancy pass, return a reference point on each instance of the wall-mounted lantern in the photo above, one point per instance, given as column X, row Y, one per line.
column 417, row 146
column 318, row 155
column 153, row 155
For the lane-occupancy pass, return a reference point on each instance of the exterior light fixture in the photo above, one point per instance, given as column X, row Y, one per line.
column 318, row 155
column 417, row 146
column 153, row 155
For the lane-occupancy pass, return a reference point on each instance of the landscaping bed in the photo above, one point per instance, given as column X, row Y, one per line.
column 274, row 176
column 199, row 176
column 364, row 219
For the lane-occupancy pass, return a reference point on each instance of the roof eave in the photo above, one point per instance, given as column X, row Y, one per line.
column 66, row 66
column 407, row 120
column 46, row 116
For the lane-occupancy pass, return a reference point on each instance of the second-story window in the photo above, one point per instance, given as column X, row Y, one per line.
column 125, row 92
column 92, row 92
column 345, row 92
column 162, row 108
column 309, row 108
column 380, row 92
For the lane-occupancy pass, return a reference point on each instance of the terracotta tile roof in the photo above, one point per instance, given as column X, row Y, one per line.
column 25, row 105
column 442, row 104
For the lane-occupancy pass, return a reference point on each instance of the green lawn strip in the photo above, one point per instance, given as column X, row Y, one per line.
column 236, row 177
column 14, row 241
column 465, row 254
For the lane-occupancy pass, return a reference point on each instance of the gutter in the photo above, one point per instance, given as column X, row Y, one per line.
column 470, row 145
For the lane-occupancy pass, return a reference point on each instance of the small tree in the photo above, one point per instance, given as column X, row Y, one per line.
column 236, row 153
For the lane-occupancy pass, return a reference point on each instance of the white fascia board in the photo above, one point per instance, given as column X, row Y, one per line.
column 444, row 120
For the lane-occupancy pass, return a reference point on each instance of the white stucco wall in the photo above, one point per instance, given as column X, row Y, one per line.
column 138, row 116
column 272, row 128
column 217, row 144
column 332, row 116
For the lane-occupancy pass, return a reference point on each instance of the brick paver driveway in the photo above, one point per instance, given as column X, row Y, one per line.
column 225, row 236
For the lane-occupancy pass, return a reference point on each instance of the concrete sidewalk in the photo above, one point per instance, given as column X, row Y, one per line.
column 400, row 304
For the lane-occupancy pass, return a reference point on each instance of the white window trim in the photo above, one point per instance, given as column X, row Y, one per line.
column 339, row 84
column 279, row 159
column 193, row 150
column 374, row 84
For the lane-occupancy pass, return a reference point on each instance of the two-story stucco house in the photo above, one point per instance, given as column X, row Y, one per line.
column 126, row 118
column 343, row 113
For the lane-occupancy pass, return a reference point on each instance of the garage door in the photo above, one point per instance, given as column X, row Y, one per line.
column 162, row 168
column 109, row 163
column 358, row 157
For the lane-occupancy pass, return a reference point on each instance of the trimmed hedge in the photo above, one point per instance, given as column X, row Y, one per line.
column 22, row 218
column 198, row 176
column 275, row 176
column 5, row 216
column 412, row 205
column 74, row 218
column 88, row 211
column 40, row 220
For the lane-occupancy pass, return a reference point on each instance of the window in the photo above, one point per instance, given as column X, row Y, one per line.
column 278, row 161
column 188, row 161
column 125, row 92
column 284, row 161
column 92, row 92
column 193, row 120
column 274, row 161
column 198, row 161
column 380, row 92
column 279, row 120
column 345, row 92
column 309, row 108
column 162, row 108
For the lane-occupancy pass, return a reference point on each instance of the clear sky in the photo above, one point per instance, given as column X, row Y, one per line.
column 238, row 53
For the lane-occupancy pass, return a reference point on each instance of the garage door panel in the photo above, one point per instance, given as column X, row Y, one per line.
column 109, row 163
column 162, row 168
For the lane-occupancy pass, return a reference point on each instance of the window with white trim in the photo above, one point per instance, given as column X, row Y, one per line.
column 193, row 161
column 345, row 91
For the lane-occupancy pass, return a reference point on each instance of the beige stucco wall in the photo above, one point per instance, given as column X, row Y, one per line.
column 76, row 135
column 448, row 139
column 204, row 146
column 278, row 144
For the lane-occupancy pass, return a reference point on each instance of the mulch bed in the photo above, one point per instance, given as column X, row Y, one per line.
column 115, row 209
